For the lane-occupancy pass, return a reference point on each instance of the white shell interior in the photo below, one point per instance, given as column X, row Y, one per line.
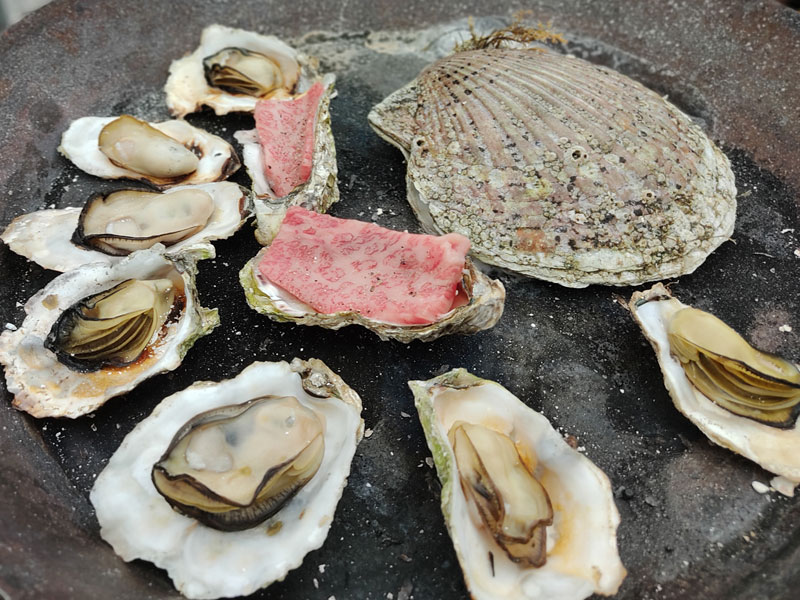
column 776, row 450
column 582, row 555
column 45, row 236
column 79, row 144
column 203, row 562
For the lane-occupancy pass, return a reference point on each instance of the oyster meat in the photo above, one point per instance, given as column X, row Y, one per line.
column 232, row 69
column 114, row 224
column 160, row 154
column 96, row 332
column 530, row 517
column 557, row 168
column 377, row 269
column 743, row 399
column 287, row 431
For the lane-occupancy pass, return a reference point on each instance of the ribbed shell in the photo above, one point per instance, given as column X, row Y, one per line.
column 559, row 169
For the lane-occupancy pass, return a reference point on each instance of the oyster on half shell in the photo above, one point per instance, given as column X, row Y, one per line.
column 160, row 154
column 499, row 519
column 139, row 522
column 94, row 330
column 56, row 238
column 232, row 69
column 741, row 398
column 557, row 168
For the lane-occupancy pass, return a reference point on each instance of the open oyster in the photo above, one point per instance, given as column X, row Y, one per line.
column 401, row 286
column 529, row 517
column 232, row 69
column 98, row 331
column 112, row 225
column 294, row 401
column 557, row 168
column 161, row 154
column 741, row 398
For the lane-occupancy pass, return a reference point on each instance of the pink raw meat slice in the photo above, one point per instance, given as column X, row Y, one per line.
column 286, row 134
column 337, row 265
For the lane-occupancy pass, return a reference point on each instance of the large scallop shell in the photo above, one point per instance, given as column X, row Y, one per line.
column 559, row 169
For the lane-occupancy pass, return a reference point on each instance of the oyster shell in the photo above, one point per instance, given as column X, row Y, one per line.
column 775, row 446
column 319, row 191
column 485, row 299
column 559, row 169
column 215, row 75
column 129, row 154
column 581, row 555
column 382, row 259
column 203, row 562
column 45, row 387
column 46, row 236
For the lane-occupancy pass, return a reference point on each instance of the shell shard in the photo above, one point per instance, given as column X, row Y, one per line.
column 160, row 154
column 112, row 225
column 102, row 364
column 580, row 546
column 559, row 169
column 204, row 562
column 741, row 398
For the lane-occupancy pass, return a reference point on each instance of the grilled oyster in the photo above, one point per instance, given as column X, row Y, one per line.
column 160, row 154
column 529, row 516
column 209, row 563
column 741, row 398
column 114, row 224
column 557, row 168
column 98, row 331
column 319, row 189
column 232, row 69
